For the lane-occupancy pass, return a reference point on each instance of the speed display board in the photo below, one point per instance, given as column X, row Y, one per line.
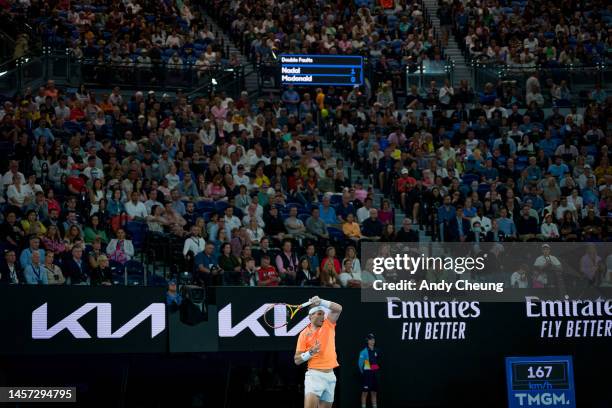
column 332, row 70
column 540, row 381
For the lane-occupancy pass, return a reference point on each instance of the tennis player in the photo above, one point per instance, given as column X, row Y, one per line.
column 317, row 346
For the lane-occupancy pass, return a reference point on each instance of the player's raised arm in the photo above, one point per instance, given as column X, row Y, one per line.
column 334, row 308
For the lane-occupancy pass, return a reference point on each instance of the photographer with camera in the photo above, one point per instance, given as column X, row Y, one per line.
column 287, row 263
column 548, row 268
column 206, row 267
column 520, row 278
column 192, row 246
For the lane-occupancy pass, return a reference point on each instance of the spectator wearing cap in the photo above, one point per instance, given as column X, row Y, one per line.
column 369, row 366
column 547, row 263
column 404, row 185
column 173, row 297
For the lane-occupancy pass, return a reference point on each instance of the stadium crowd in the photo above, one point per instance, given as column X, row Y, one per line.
column 394, row 35
column 526, row 33
column 249, row 192
column 153, row 36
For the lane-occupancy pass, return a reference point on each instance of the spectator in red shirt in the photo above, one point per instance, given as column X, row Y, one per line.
column 77, row 113
column 76, row 184
column 404, row 185
column 268, row 276
column 385, row 215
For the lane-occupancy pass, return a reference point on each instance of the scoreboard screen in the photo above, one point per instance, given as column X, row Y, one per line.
column 333, row 70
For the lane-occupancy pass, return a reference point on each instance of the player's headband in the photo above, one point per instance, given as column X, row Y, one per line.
column 317, row 308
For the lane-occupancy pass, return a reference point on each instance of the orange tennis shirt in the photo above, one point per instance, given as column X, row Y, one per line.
column 326, row 358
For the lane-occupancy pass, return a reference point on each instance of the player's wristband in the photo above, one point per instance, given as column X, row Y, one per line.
column 325, row 303
column 305, row 356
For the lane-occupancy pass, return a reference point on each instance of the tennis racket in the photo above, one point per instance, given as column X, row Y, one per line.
column 271, row 314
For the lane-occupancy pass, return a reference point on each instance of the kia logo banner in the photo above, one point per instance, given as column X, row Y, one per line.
column 252, row 322
column 155, row 311
column 65, row 319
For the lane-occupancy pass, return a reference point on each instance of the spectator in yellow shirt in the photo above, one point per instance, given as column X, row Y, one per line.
column 320, row 98
column 261, row 179
column 32, row 226
column 350, row 228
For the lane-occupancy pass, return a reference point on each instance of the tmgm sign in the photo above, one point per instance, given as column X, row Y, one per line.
column 540, row 382
column 41, row 330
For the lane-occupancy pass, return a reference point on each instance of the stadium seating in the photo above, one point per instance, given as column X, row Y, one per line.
column 124, row 153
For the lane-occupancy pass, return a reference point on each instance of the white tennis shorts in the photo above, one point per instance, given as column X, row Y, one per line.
column 320, row 384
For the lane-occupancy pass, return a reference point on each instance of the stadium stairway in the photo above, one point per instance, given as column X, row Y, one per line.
column 378, row 195
column 451, row 50
column 251, row 83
